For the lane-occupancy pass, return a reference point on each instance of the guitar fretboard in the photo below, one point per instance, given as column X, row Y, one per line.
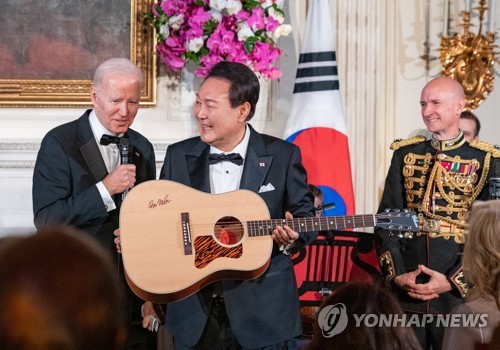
column 265, row 227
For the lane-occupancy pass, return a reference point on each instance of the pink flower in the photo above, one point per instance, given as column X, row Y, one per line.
column 242, row 16
column 271, row 24
column 256, row 20
column 199, row 17
column 209, row 31
column 273, row 73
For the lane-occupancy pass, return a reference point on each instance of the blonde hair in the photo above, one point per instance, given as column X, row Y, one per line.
column 481, row 258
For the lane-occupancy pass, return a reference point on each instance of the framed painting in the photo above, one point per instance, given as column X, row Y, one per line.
column 49, row 52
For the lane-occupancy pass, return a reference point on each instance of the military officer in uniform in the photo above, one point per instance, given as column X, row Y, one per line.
column 438, row 179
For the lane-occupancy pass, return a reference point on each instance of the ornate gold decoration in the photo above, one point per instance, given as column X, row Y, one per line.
column 387, row 266
column 486, row 147
column 397, row 144
column 459, row 280
column 469, row 59
column 468, row 189
column 447, row 145
column 76, row 93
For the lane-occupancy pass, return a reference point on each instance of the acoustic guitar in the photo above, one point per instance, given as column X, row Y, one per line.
column 175, row 240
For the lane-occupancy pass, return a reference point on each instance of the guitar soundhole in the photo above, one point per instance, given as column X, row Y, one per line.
column 228, row 230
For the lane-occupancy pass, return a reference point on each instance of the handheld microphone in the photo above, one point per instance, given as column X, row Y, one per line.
column 124, row 147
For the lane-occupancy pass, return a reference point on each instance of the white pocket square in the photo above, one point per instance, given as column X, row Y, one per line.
column 266, row 188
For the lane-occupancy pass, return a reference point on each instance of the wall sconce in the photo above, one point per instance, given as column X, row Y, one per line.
column 470, row 58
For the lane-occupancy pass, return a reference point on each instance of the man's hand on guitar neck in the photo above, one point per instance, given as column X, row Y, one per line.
column 284, row 236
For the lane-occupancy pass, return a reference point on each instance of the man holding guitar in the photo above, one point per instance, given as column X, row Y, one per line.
column 229, row 155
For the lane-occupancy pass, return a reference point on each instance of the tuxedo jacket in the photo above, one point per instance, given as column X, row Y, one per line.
column 68, row 167
column 265, row 310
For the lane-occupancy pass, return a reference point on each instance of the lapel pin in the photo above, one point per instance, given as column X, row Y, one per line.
column 262, row 165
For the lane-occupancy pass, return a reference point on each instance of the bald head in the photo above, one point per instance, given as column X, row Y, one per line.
column 442, row 101
column 448, row 84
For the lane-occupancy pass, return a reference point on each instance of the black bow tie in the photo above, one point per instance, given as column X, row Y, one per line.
column 108, row 139
column 214, row 158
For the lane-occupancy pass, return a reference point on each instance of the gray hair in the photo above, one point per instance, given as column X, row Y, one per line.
column 114, row 66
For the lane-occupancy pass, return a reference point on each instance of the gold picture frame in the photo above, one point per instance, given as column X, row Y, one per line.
column 76, row 93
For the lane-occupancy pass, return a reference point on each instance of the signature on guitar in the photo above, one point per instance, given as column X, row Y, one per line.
column 159, row 202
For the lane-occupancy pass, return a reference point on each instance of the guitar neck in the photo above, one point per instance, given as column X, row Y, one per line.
column 265, row 227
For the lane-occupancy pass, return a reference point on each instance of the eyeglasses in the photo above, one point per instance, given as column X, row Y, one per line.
column 319, row 210
column 319, row 207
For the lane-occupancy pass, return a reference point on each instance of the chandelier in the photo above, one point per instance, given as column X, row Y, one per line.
column 470, row 58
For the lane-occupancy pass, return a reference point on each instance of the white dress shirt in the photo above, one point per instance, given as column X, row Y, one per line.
column 226, row 176
column 110, row 155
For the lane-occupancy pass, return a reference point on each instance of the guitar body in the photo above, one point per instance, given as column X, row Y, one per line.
column 175, row 240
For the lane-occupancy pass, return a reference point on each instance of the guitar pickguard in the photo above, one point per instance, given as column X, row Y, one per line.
column 207, row 250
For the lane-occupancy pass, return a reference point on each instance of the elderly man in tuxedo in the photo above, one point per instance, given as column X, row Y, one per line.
column 83, row 167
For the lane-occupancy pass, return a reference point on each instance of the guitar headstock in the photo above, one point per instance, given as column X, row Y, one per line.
column 397, row 220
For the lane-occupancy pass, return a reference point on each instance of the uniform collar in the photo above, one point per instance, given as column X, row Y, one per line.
column 449, row 144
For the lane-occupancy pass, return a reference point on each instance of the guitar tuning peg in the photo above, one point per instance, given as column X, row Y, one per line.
column 391, row 234
column 400, row 235
column 387, row 210
column 410, row 235
column 397, row 210
column 405, row 210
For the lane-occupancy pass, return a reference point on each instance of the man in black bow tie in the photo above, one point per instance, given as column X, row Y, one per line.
column 78, row 179
column 229, row 155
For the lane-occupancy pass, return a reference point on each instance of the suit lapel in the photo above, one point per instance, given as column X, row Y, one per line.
column 257, row 163
column 89, row 149
column 197, row 166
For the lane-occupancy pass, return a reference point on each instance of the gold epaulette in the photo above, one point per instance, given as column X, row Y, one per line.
column 397, row 144
column 487, row 147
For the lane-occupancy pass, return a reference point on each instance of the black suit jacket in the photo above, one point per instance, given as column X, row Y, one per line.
column 265, row 310
column 68, row 167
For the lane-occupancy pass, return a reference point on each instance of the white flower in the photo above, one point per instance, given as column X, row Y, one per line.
column 266, row 3
column 195, row 44
column 276, row 15
column 218, row 5
column 244, row 31
column 217, row 15
column 282, row 30
column 164, row 31
column 176, row 21
column 233, row 6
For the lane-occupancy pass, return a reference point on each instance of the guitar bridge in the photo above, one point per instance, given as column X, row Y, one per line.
column 186, row 234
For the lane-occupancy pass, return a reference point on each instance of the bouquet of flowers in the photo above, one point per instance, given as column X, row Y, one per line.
column 209, row 31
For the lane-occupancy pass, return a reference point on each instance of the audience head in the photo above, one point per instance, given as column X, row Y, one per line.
column 442, row 101
column 115, row 94
column 319, row 200
column 226, row 100
column 48, row 299
column 481, row 259
column 470, row 125
column 364, row 298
